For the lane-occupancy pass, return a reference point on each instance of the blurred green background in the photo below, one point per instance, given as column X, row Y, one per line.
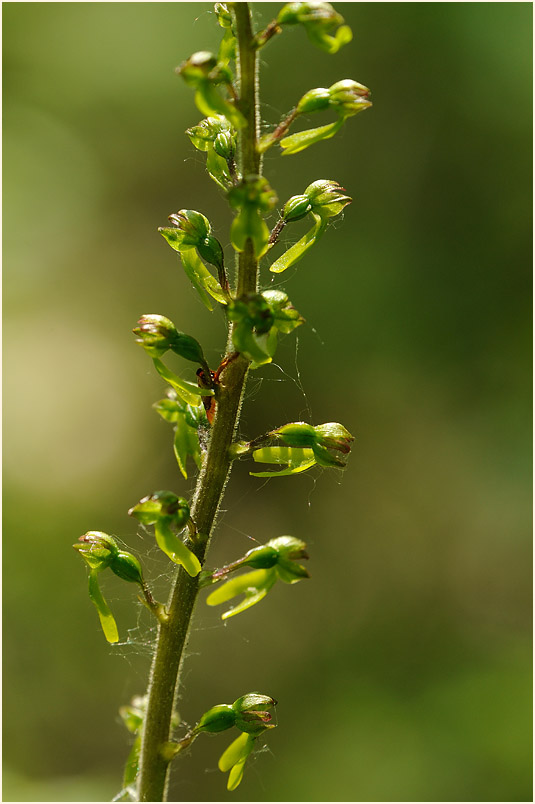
column 403, row 668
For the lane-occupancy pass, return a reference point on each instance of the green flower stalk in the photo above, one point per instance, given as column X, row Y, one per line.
column 203, row 408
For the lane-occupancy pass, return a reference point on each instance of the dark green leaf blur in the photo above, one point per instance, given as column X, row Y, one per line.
column 402, row 668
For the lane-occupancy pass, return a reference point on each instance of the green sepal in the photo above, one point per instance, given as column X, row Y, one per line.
column 107, row 620
column 162, row 506
column 133, row 714
column 319, row 19
column 187, row 421
column 198, row 274
column 227, row 48
column 252, row 346
column 299, row 249
column 297, row 460
column 97, row 549
column 209, row 102
column 252, row 716
column 249, row 225
column 331, row 43
column 258, row 318
column 290, row 572
column 169, row 409
column 216, row 137
column 187, row 391
column 131, row 768
column 217, row 168
column 304, row 139
column 203, row 72
column 185, row 444
column 251, row 197
column 285, row 317
column 175, row 549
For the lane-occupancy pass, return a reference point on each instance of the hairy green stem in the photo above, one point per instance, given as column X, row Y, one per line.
column 164, row 682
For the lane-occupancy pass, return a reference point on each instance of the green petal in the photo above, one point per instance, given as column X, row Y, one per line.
column 299, row 249
column 187, row 391
column 303, row 139
column 236, row 775
column 217, row 168
column 331, row 43
column 297, row 460
column 246, row 603
column 201, row 278
column 107, row 621
column 235, row 752
column 250, row 581
column 169, row 409
column 175, row 549
column 131, row 767
column 181, row 447
column 252, row 346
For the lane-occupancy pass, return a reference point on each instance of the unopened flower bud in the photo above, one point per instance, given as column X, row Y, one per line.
column 225, row 144
column 192, row 226
column 97, row 548
column 289, row 547
column 334, row 436
column 289, row 550
column 218, row 718
column 161, row 506
column 157, row 334
column 349, row 97
column 201, row 66
column 327, row 198
column 252, row 716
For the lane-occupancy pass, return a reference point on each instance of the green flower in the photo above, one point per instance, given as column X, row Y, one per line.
column 252, row 197
column 165, row 510
column 157, row 334
column 323, row 199
column 191, row 236
column 205, row 72
column 319, row 21
column 258, row 319
column 275, row 560
column 100, row 551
